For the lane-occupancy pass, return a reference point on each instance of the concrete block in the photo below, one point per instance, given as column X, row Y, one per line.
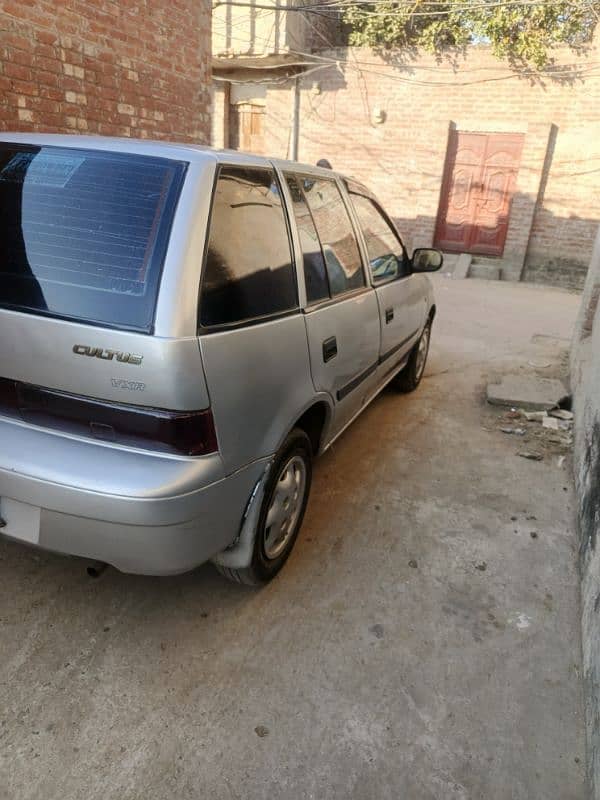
column 527, row 392
column 462, row 266
column 487, row 272
column 551, row 422
column 450, row 260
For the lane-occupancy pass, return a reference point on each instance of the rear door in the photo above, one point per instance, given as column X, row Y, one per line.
column 342, row 317
column 399, row 294
column 252, row 333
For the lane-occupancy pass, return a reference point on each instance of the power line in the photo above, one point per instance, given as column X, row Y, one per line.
column 408, row 5
column 436, row 9
column 549, row 70
column 575, row 72
column 444, row 4
column 571, row 70
column 561, row 71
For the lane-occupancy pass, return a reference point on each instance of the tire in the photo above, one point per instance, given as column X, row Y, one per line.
column 411, row 375
column 287, row 487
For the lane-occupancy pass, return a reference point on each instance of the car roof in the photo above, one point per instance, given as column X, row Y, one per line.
column 165, row 149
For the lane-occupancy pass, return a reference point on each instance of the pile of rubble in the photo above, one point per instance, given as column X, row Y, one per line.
column 551, row 431
column 535, row 414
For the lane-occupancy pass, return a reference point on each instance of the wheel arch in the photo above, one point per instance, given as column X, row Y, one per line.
column 314, row 420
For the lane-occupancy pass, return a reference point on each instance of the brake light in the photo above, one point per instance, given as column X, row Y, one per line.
column 190, row 433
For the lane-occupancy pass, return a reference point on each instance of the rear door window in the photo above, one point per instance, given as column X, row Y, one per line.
column 315, row 272
column 338, row 242
column 249, row 272
column 84, row 233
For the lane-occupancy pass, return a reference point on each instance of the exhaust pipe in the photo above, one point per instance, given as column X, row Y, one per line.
column 96, row 568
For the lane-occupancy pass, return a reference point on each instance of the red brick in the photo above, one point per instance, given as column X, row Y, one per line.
column 22, row 58
column 15, row 42
column 45, row 51
column 25, row 87
column 17, row 71
column 51, row 94
column 46, row 106
column 48, row 64
column 45, row 37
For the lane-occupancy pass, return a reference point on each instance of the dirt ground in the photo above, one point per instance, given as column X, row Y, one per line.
column 421, row 642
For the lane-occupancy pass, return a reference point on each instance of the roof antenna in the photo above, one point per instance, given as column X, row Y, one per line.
column 323, row 162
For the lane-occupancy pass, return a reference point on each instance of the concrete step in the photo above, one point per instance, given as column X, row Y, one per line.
column 487, row 272
column 463, row 265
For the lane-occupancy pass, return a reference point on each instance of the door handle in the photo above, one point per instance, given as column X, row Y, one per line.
column 329, row 349
column 389, row 315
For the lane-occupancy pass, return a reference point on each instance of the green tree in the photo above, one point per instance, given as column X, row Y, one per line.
column 524, row 32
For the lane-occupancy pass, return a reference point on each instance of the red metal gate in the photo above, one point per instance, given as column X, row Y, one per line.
column 477, row 189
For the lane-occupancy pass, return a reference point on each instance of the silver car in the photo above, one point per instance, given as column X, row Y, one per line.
column 183, row 330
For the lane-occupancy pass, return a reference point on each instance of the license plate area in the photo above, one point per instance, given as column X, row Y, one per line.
column 21, row 521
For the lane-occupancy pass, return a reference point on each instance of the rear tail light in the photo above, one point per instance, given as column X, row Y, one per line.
column 190, row 433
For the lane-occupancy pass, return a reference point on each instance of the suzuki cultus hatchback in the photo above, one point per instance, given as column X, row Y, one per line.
column 182, row 331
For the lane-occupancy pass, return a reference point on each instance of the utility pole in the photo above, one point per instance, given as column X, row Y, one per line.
column 295, row 137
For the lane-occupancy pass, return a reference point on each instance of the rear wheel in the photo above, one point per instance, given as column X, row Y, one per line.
column 410, row 377
column 282, row 511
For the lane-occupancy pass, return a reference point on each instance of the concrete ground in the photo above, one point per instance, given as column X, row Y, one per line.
column 419, row 644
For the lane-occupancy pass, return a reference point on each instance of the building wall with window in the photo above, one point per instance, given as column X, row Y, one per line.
column 248, row 31
column 256, row 48
column 243, row 31
column 112, row 68
column 389, row 124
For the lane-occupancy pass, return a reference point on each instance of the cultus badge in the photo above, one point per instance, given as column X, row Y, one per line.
column 107, row 355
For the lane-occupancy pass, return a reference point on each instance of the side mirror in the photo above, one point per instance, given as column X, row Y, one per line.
column 426, row 259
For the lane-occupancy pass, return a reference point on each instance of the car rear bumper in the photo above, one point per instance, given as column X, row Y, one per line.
column 140, row 512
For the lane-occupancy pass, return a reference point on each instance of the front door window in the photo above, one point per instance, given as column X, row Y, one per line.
column 387, row 259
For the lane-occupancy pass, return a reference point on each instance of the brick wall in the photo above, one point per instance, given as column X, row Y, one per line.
column 555, row 212
column 115, row 68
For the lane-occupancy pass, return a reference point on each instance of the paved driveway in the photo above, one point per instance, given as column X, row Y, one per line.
column 419, row 644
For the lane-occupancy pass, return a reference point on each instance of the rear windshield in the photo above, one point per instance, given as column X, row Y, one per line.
column 83, row 234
